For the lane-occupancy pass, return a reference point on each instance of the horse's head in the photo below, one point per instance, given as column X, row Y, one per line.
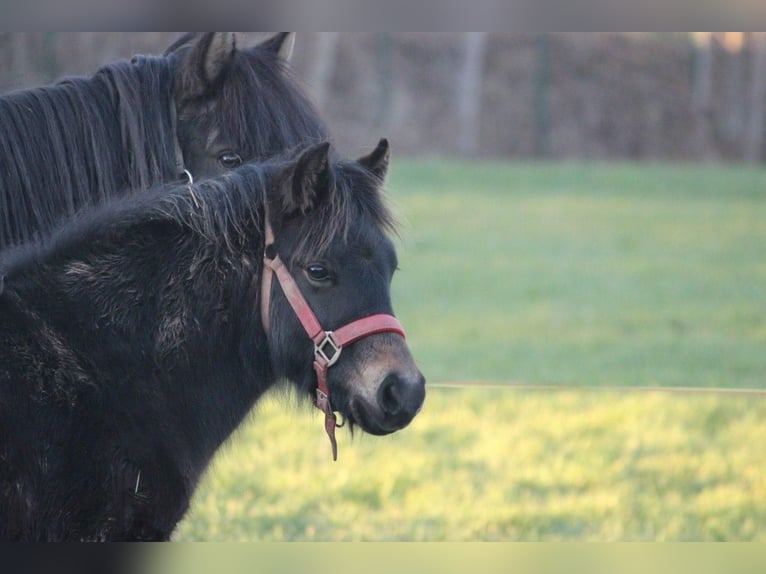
column 330, row 227
column 236, row 105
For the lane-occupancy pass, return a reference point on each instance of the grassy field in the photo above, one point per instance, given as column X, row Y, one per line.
column 594, row 276
column 499, row 464
column 588, row 275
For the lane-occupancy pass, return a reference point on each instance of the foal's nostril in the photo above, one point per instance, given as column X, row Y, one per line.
column 398, row 396
column 389, row 395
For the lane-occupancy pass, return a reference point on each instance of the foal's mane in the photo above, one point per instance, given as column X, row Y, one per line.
column 227, row 211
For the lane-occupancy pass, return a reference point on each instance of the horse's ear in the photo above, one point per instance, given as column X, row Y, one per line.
column 377, row 161
column 183, row 40
column 203, row 64
column 282, row 45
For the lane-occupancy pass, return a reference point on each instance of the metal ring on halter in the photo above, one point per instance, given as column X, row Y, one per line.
column 342, row 423
column 188, row 175
column 319, row 349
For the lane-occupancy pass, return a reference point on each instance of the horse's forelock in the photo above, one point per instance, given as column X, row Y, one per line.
column 265, row 107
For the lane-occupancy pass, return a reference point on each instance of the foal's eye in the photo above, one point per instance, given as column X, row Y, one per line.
column 230, row 160
column 318, row 273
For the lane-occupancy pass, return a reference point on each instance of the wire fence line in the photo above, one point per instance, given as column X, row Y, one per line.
column 523, row 386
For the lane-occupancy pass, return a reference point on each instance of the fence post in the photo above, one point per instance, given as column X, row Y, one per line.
column 756, row 124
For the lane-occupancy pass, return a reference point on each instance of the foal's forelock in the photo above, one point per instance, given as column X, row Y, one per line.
column 355, row 201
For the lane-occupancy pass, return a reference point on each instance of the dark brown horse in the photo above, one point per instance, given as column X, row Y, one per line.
column 204, row 107
column 135, row 340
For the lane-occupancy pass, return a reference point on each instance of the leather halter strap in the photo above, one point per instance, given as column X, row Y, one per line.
column 327, row 344
column 181, row 171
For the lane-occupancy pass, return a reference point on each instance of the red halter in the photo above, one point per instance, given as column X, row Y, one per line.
column 327, row 344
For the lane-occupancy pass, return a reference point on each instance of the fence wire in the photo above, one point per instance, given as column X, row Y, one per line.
column 616, row 389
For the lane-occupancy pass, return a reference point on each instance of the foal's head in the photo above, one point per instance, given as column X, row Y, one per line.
column 236, row 105
column 331, row 229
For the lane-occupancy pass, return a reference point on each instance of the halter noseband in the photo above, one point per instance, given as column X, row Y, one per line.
column 327, row 344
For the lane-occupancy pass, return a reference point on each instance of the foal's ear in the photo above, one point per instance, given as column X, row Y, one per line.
column 203, row 64
column 311, row 179
column 306, row 182
column 377, row 161
column 282, row 45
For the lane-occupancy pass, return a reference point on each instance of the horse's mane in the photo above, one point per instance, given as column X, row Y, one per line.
column 66, row 146
column 49, row 131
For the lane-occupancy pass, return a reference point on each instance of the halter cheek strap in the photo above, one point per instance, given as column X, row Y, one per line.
column 327, row 344
column 181, row 170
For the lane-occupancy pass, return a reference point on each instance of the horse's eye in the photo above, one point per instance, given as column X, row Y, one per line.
column 230, row 160
column 318, row 273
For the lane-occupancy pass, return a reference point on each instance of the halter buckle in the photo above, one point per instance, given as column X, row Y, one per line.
column 320, row 353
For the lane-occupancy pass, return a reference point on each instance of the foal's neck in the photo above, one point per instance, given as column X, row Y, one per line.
column 173, row 277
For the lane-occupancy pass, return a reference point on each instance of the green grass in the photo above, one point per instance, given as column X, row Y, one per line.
column 588, row 275
column 499, row 464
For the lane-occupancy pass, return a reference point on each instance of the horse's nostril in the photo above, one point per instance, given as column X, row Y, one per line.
column 398, row 396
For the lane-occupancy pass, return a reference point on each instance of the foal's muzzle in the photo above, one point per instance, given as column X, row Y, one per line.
column 400, row 398
column 388, row 389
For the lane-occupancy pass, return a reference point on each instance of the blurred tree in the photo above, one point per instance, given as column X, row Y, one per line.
column 756, row 123
column 469, row 91
column 323, row 69
column 730, row 114
column 20, row 58
column 543, row 95
column 702, row 81
column 385, row 73
column 702, row 90
column 50, row 61
column 84, row 48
